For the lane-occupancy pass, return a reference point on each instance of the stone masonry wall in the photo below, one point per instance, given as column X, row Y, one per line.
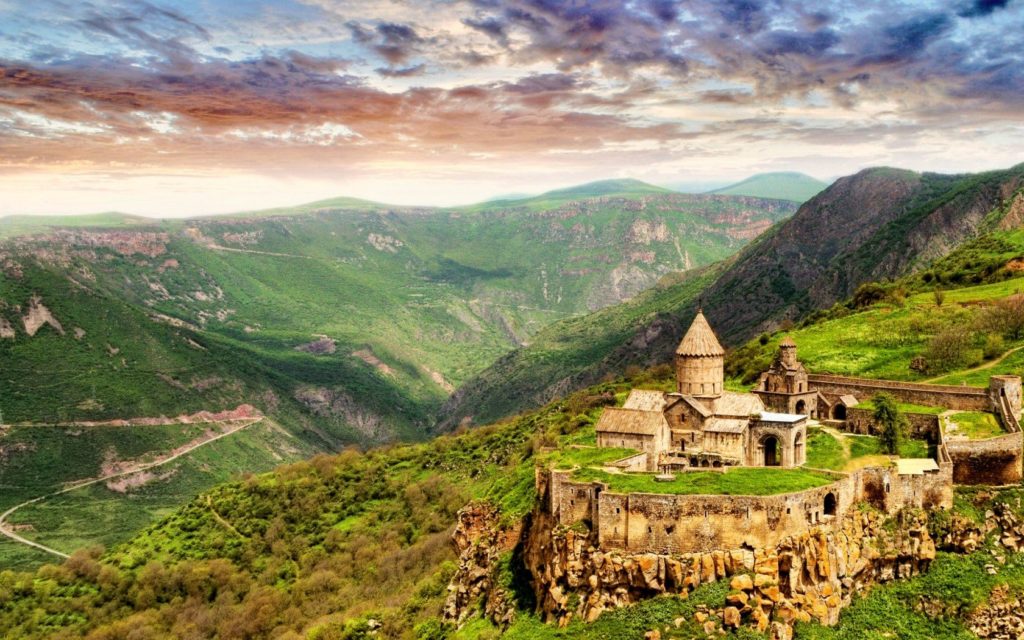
column 923, row 426
column 931, row 395
column 683, row 524
column 995, row 461
column 661, row 523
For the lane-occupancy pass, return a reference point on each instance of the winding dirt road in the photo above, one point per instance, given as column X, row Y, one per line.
column 6, row 530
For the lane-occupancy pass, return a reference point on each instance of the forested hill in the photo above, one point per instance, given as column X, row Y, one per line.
column 351, row 319
column 880, row 223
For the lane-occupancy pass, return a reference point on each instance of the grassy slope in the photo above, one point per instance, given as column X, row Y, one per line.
column 454, row 291
column 357, row 536
column 772, row 281
column 881, row 340
column 797, row 187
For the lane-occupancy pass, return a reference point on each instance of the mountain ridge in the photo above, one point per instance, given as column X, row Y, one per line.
column 810, row 261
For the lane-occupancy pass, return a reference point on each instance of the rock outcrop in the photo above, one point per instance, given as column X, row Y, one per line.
column 480, row 541
column 810, row 576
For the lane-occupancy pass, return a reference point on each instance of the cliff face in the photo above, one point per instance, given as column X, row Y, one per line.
column 808, row 576
column 812, row 575
column 877, row 224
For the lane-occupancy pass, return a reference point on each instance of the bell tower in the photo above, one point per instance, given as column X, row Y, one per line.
column 700, row 361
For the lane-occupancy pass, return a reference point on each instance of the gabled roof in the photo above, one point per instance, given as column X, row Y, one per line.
column 631, row 421
column 645, row 400
column 726, row 425
column 697, row 405
column 700, row 340
column 731, row 403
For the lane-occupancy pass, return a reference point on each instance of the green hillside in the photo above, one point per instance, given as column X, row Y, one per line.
column 345, row 323
column 321, row 548
column 783, row 185
column 951, row 330
column 878, row 224
column 339, row 545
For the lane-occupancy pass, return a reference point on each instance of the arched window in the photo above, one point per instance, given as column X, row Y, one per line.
column 801, row 406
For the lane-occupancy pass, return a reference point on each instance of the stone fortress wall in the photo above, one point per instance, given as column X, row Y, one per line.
column 933, row 395
column 662, row 523
column 994, row 461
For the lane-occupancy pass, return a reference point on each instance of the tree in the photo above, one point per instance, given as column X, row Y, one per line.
column 892, row 425
column 1007, row 316
column 940, row 296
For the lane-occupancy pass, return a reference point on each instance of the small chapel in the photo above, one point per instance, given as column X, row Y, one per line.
column 702, row 424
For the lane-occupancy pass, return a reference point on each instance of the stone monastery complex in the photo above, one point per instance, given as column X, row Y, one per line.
column 701, row 426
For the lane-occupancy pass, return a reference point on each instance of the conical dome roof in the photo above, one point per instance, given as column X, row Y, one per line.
column 787, row 342
column 700, row 340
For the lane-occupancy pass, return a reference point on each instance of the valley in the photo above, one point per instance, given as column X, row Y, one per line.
column 359, row 541
column 344, row 322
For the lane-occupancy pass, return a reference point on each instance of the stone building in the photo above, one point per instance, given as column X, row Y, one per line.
column 785, row 387
column 702, row 424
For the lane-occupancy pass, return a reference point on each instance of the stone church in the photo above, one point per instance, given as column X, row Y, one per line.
column 702, row 424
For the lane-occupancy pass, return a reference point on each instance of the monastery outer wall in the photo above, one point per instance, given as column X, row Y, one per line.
column 663, row 523
column 994, row 461
column 932, row 395
column 658, row 523
column 924, row 426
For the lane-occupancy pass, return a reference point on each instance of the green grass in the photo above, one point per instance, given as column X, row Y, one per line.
column 570, row 457
column 976, row 425
column 904, row 407
column 626, row 623
column 739, row 481
column 826, row 451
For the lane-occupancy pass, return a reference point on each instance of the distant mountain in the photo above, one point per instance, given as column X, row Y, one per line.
column 877, row 224
column 624, row 187
column 794, row 186
column 343, row 321
column 412, row 301
column 18, row 225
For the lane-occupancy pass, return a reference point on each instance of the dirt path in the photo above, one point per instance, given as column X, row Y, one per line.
column 6, row 530
column 980, row 367
column 217, row 247
column 220, row 519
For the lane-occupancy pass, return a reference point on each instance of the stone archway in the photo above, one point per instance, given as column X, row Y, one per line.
column 772, row 454
column 801, row 407
column 839, row 412
column 830, row 504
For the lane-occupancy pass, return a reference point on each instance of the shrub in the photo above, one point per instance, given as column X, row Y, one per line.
column 948, row 349
column 994, row 346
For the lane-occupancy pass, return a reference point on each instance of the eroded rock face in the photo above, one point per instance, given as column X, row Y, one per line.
column 1000, row 618
column 810, row 576
column 480, row 540
column 38, row 315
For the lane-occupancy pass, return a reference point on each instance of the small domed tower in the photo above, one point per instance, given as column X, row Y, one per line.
column 700, row 361
column 787, row 353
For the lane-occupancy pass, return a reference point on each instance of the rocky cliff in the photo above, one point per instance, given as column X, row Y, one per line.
column 811, row 576
column 877, row 224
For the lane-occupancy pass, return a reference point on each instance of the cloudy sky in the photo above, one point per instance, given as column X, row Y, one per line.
column 195, row 106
